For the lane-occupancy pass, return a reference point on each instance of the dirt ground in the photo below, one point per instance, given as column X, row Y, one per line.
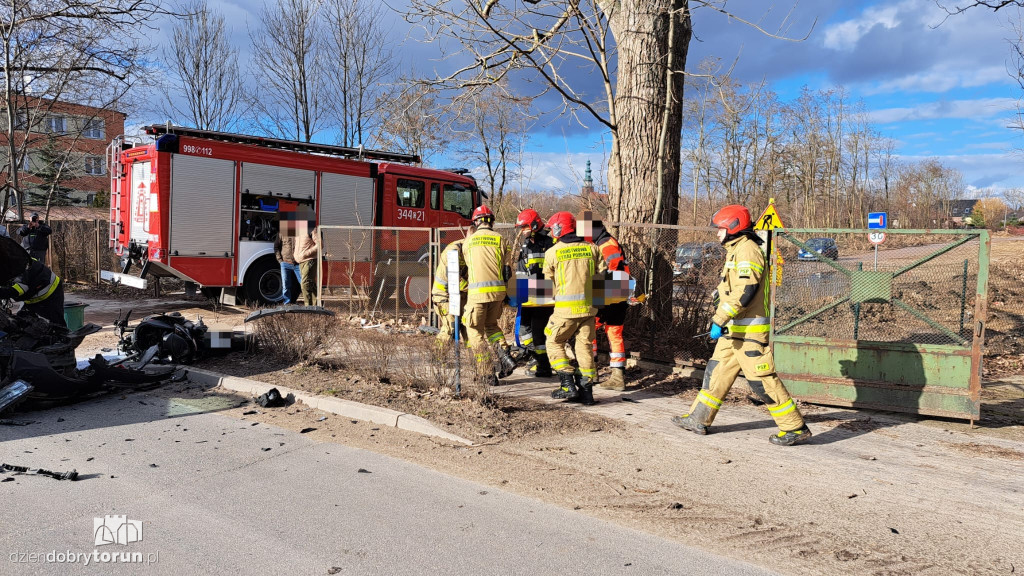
column 876, row 494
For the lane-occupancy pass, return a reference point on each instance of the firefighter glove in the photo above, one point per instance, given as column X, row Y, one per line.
column 716, row 331
column 8, row 292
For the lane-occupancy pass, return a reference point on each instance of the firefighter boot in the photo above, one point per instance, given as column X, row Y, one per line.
column 506, row 365
column 617, row 381
column 694, row 421
column 543, row 367
column 586, row 392
column 568, row 389
column 791, row 438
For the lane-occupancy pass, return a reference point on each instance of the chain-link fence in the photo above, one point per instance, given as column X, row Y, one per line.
column 377, row 273
column 676, row 269
column 917, row 288
column 386, row 274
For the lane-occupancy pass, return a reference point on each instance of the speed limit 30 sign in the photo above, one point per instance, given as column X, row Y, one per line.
column 876, row 237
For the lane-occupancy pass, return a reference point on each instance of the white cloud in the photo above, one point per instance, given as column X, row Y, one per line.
column 998, row 171
column 845, row 35
column 968, row 109
column 943, row 79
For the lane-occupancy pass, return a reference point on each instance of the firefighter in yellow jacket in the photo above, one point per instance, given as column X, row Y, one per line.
column 741, row 325
column 439, row 294
column 486, row 253
column 571, row 264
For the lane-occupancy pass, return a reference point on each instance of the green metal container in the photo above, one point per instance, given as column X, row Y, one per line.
column 74, row 315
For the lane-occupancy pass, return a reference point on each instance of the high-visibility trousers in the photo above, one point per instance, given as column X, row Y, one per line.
column 611, row 318
column 580, row 331
column 446, row 325
column 758, row 365
column 481, row 320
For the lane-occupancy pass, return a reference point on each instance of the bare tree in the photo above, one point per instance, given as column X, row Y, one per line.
column 90, row 53
column 412, row 120
column 290, row 99
column 361, row 64
column 209, row 87
column 617, row 63
column 491, row 130
column 1014, row 197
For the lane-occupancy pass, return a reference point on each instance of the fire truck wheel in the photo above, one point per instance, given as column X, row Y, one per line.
column 262, row 284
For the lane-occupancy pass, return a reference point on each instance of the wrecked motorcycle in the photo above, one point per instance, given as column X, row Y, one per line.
column 163, row 338
column 38, row 366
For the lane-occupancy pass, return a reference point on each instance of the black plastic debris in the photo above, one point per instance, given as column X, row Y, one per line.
column 272, row 399
column 306, row 430
column 73, row 475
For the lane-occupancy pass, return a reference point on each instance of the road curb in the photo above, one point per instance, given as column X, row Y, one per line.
column 338, row 406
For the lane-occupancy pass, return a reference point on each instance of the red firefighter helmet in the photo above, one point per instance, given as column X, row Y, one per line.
column 482, row 213
column 529, row 219
column 562, row 223
column 734, row 218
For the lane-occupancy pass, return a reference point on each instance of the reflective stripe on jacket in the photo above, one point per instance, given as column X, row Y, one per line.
column 743, row 272
column 36, row 283
column 531, row 254
column 612, row 254
column 572, row 266
column 485, row 252
column 439, row 291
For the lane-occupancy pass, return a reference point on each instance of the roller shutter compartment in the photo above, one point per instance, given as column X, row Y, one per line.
column 202, row 206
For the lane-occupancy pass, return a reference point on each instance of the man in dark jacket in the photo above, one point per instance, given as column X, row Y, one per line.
column 35, row 238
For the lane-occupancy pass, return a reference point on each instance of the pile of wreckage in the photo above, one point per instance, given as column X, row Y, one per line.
column 38, row 366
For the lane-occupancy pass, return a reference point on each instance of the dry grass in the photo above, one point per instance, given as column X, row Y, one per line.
column 294, row 337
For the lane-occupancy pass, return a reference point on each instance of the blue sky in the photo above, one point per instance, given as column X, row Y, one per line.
column 938, row 86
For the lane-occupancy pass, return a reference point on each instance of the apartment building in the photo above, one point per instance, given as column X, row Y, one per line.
column 61, row 131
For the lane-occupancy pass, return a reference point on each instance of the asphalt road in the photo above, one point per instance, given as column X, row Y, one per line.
column 217, row 495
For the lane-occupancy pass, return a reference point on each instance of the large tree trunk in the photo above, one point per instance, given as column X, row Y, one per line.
column 652, row 37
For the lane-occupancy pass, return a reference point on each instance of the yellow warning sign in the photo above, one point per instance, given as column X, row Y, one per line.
column 769, row 219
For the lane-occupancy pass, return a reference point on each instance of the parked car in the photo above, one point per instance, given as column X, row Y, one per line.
column 820, row 247
column 691, row 258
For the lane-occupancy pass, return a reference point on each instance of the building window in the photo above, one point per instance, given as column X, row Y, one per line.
column 55, row 124
column 94, row 166
column 94, row 129
column 410, row 193
column 26, row 163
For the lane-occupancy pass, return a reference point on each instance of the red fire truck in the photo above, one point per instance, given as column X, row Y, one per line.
column 204, row 206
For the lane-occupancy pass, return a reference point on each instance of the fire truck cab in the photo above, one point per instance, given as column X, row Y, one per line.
column 205, row 206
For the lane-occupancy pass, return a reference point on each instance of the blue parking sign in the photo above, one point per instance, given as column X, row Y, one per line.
column 877, row 220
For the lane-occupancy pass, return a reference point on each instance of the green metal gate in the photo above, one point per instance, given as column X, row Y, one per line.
column 897, row 326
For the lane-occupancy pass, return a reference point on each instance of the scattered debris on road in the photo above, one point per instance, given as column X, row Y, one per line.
column 72, row 475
